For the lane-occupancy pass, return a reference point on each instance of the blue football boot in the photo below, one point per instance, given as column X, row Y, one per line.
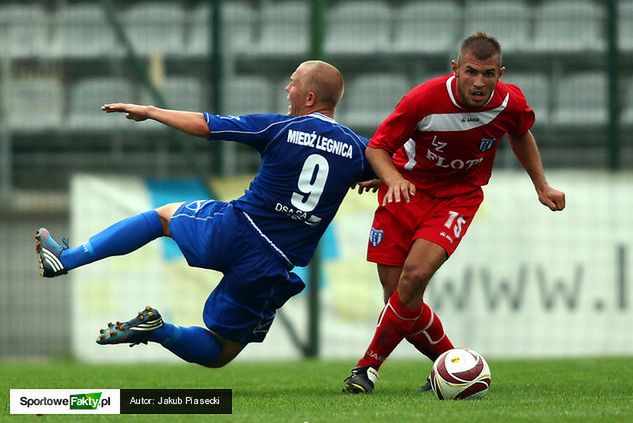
column 50, row 251
column 134, row 332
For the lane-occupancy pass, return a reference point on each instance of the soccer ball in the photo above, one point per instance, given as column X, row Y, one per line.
column 460, row 374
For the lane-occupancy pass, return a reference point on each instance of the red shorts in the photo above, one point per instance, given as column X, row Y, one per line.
column 443, row 221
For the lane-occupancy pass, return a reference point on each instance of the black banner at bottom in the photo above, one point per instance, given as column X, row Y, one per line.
column 176, row 401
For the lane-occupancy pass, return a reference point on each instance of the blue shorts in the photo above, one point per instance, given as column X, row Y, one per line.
column 257, row 279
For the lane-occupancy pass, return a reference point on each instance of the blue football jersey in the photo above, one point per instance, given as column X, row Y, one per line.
column 308, row 164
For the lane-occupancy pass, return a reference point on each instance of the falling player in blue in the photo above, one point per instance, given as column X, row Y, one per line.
column 309, row 162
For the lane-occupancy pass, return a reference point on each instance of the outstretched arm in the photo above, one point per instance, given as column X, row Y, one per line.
column 526, row 151
column 191, row 123
column 380, row 161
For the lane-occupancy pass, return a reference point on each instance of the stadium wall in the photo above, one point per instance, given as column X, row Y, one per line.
column 524, row 282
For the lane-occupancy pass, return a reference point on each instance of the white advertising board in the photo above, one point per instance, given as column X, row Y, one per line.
column 525, row 281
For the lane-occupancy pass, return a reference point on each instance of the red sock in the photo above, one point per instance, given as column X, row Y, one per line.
column 394, row 323
column 428, row 335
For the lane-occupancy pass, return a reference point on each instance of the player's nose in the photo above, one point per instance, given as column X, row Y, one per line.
column 478, row 81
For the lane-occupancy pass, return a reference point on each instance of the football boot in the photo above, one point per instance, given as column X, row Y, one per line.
column 134, row 332
column 361, row 381
column 50, row 252
column 426, row 386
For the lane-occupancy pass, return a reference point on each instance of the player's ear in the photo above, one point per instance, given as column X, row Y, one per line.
column 311, row 99
column 502, row 69
column 454, row 66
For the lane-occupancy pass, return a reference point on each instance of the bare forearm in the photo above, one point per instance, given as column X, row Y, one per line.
column 192, row 123
column 526, row 151
column 380, row 161
column 399, row 187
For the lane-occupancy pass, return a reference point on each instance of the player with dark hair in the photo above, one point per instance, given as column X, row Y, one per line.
column 433, row 154
column 309, row 161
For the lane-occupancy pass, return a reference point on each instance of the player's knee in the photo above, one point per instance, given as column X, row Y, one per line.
column 220, row 361
column 415, row 276
column 228, row 352
column 412, row 285
column 216, row 364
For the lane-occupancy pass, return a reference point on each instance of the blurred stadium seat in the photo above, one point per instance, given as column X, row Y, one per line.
column 281, row 96
column 372, row 97
column 581, row 99
column 84, row 31
column 285, row 27
column 427, row 26
column 238, row 34
column 535, row 87
column 24, row 30
column 198, row 36
column 507, row 20
column 569, row 25
column 358, row 27
column 248, row 94
column 45, row 113
column 88, row 95
column 156, row 27
column 625, row 24
column 180, row 93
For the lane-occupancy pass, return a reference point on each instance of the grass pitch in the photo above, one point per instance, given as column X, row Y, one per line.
column 578, row 390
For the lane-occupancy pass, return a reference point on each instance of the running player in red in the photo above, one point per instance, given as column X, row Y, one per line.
column 433, row 154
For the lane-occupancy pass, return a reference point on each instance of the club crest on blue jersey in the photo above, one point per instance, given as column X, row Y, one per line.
column 486, row 143
column 376, row 236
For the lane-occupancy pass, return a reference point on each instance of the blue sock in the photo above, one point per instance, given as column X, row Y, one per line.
column 193, row 344
column 121, row 238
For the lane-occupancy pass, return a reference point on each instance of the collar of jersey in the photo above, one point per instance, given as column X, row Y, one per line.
column 322, row 117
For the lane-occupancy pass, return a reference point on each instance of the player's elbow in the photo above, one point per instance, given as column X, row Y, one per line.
column 200, row 127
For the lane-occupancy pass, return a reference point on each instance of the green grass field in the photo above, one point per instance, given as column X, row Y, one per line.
column 581, row 390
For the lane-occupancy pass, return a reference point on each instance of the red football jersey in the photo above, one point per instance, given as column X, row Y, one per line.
column 444, row 148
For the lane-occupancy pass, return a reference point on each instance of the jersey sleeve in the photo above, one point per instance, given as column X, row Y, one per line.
column 525, row 115
column 253, row 130
column 397, row 128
